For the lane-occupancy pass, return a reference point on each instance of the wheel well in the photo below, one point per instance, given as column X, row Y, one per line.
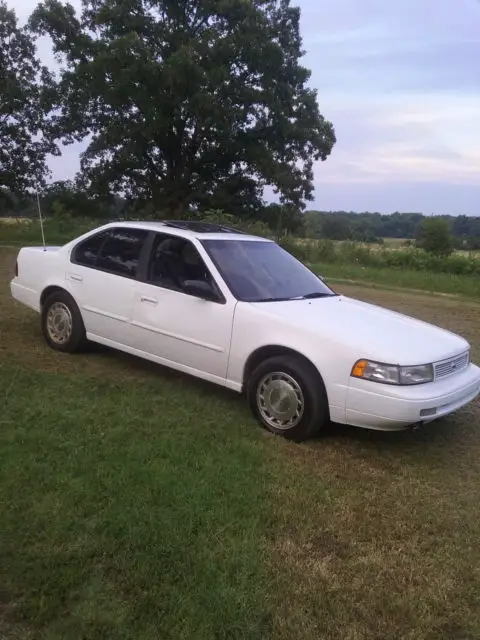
column 49, row 290
column 271, row 351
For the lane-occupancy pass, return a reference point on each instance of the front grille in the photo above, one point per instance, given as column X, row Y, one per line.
column 451, row 366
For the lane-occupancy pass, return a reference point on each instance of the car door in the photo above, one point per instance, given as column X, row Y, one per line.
column 188, row 331
column 101, row 277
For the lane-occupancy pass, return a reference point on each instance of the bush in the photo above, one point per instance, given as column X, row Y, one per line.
column 435, row 236
column 298, row 249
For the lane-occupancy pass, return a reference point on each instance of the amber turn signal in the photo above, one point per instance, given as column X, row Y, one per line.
column 359, row 368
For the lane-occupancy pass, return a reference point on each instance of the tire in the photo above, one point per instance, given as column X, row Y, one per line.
column 300, row 381
column 62, row 323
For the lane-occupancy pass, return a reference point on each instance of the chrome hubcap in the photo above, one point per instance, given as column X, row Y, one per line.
column 280, row 400
column 59, row 323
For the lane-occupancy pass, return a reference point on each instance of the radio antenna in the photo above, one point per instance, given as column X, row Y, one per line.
column 40, row 218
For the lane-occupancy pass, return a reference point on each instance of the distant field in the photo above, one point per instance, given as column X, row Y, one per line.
column 390, row 244
column 26, row 231
column 14, row 220
column 395, row 241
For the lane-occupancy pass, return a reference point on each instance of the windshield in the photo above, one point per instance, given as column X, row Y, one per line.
column 261, row 271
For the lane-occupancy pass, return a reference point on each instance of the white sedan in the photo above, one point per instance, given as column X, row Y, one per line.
column 240, row 311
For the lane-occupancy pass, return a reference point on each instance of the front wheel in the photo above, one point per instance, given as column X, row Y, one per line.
column 62, row 323
column 288, row 397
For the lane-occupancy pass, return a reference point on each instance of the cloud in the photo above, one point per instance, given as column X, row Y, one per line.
column 400, row 81
column 414, row 137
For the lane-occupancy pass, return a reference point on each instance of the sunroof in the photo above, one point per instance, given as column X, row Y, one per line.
column 200, row 226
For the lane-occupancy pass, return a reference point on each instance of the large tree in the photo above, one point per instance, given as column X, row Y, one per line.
column 25, row 100
column 188, row 102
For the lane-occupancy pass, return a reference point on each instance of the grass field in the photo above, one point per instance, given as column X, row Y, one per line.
column 137, row 503
column 438, row 283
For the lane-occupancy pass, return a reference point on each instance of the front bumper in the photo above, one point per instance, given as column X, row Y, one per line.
column 391, row 408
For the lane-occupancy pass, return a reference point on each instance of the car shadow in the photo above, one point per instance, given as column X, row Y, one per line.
column 144, row 366
column 441, row 436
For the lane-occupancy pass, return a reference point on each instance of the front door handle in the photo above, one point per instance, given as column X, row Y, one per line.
column 149, row 300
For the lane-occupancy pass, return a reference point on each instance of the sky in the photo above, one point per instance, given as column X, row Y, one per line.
column 400, row 81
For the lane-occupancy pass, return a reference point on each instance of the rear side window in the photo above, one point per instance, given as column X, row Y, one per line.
column 116, row 250
column 121, row 252
column 87, row 251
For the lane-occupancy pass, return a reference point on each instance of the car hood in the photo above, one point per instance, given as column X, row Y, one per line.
column 373, row 332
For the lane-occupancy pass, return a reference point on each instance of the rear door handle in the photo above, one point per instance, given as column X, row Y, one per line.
column 73, row 276
column 149, row 300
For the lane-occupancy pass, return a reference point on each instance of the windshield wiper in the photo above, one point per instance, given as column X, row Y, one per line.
column 317, row 294
column 308, row 296
column 274, row 299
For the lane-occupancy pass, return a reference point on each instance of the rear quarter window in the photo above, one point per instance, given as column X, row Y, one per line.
column 86, row 252
column 114, row 250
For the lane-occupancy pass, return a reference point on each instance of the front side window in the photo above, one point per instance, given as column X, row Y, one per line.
column 175, row 261
column 261, row 271
column 116, row 251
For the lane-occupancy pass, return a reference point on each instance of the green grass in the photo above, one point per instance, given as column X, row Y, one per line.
column 402, row 278
column 57, row 231
column 140, row 503
column 137, row 513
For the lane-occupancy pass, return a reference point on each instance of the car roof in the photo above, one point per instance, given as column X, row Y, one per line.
column 189, row 229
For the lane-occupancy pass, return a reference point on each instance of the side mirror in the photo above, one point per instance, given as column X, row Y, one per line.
column 200, row 289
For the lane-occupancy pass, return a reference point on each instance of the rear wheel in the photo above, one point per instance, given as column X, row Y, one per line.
column 288, row 397
column 62, row 323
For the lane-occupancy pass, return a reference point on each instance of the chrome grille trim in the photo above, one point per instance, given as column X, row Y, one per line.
column 451, row 366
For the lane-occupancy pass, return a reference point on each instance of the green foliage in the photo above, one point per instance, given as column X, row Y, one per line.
column 352, row 253
column 250, row 225
column 435, row 236
column 283, row 219
column 188, row 103
column 25, row 99
column 466, row 232
column 299, row 250
column 336, row 228
column 66, row 196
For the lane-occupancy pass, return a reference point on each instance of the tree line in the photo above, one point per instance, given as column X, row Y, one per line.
column 438, row 234
column 464, row 231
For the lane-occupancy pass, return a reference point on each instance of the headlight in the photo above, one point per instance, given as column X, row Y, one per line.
column 392, row 373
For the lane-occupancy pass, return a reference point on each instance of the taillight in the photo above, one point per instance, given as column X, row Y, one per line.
column 16, row 268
